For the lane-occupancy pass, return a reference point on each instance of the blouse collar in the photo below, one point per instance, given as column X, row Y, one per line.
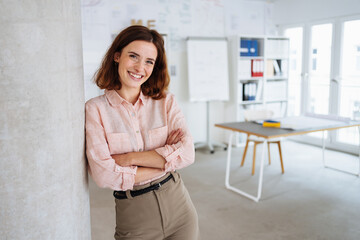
column 115, row 99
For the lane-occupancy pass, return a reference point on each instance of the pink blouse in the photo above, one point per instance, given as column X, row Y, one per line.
column 115, row 126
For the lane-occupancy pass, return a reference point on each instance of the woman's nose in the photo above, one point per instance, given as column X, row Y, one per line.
column 139, row 66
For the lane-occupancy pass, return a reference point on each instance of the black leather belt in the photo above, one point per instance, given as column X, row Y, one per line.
column 122, row 194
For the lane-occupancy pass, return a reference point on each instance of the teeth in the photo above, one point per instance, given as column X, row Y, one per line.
column 135, row 75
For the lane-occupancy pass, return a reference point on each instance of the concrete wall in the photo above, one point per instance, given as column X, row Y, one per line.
column 43, row 178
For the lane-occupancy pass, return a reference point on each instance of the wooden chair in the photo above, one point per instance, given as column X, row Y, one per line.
column 252, row 115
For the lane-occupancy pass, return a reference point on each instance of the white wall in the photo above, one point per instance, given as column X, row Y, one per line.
column 287, row 12
column 177, row 19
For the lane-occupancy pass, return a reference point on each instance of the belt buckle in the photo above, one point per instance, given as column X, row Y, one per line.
column 118, row 195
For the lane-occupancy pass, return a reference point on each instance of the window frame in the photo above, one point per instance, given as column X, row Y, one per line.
column 335, row 77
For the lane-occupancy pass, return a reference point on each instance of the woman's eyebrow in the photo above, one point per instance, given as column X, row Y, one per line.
column 139, row 55
column 134, row 53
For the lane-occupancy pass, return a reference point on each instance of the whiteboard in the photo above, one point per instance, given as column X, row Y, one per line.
column 208, row 72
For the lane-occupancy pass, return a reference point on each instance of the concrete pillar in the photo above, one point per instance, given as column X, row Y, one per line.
column 43, row 179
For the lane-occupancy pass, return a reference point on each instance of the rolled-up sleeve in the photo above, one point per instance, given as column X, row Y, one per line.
column 102, row 167
column 182, row 153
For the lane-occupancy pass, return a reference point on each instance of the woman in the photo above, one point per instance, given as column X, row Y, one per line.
column 136, row 137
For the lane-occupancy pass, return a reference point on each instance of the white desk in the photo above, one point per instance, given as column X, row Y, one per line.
column 270, row 133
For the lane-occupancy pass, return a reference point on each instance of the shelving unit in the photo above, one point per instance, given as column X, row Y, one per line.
column 259, row 76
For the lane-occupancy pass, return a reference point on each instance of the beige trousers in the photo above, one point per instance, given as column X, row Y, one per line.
column 164, row 214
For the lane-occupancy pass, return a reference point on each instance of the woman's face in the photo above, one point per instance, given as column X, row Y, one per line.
column 136, row 63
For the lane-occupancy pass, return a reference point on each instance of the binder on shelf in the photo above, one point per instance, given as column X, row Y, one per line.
column 252, row 94
column 270, row 68
column 248, row 48
column 245, row 94
column 254, row 48
column 258, row 92
column 244, row 48
column 277, row 67
column 257, row 66
column 284, row 67
column 249, row 91
column 280, row 67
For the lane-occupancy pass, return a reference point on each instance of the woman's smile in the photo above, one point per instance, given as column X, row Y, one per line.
column 136, row 77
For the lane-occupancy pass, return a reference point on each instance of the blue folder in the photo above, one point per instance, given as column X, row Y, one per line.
column 248, row 48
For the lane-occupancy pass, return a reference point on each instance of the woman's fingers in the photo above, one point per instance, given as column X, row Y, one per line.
column 172, row 136
column 178, row 136
column 175, row 136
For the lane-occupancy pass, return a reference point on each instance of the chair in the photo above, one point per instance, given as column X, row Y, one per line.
column 252, row 115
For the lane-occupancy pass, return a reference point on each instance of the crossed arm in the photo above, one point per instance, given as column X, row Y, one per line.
column 150, row 163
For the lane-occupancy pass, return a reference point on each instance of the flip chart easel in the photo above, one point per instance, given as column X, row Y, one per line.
column 208, row 76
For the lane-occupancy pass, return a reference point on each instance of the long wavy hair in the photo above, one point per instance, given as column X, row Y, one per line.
column 107, row 76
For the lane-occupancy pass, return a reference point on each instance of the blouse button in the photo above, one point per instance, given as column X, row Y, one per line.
column 137, row 131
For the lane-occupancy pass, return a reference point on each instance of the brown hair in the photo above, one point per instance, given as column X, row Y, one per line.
column 107, row 77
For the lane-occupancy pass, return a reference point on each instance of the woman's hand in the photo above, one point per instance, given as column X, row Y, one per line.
column 123, row 160
column 175, row 136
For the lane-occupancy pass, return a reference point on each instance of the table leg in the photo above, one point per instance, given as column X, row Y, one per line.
column 359, row 152
column 323, row 148
column 228, row 161
column 334, row 168
column 227, row 175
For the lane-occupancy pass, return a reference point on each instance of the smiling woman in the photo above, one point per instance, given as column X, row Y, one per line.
column 107, row 77
column 136, row 139
column 135, row 65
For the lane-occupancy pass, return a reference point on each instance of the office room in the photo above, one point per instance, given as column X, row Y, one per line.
column 232, row 65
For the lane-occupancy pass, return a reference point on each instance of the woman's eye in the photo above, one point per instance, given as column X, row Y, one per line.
column 133, row 56
column 150, row 62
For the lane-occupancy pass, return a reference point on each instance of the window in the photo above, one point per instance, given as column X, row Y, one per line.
column 296, row 41
column 350, row 80
column 331, row 77
column 319, row 77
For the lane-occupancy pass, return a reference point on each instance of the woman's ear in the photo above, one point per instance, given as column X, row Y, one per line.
column 117, row 57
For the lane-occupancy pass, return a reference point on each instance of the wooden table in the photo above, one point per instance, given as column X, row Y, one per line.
column 267, row 133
